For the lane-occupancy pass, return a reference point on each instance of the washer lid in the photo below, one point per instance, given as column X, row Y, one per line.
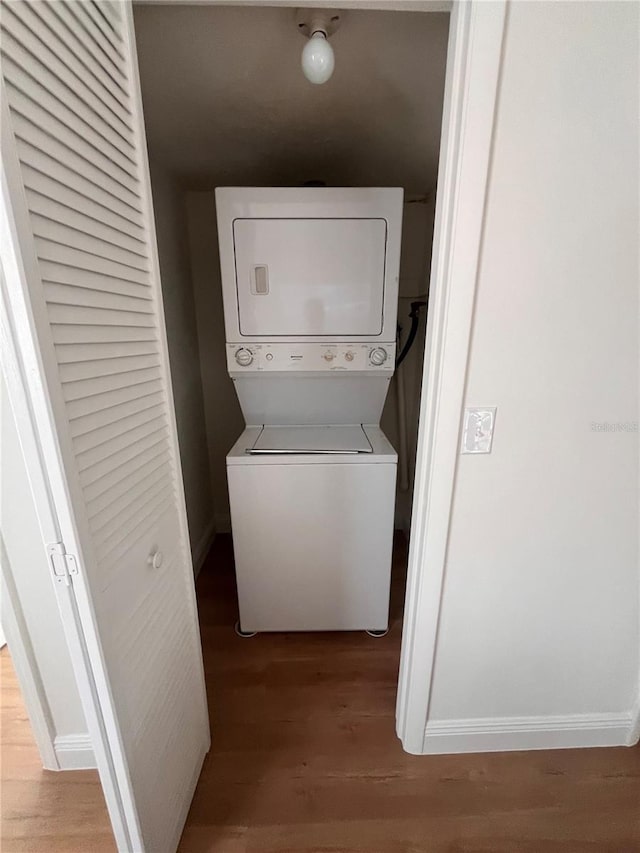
column 342, row 439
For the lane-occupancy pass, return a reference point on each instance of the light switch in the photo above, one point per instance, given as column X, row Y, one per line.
column 477, row 430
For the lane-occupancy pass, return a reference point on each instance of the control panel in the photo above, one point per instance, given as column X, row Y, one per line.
column 310, row 358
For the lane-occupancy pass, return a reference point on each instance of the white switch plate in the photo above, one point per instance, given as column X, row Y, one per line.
column 477, row 430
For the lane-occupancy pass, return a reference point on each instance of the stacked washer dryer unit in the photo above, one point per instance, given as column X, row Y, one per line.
column 310, row 290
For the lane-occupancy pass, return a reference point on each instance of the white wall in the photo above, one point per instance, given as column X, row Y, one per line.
column 26, row 569
column 182, row 336
column 540, row 606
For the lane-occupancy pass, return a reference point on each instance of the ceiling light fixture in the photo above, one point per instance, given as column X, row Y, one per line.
column 317, row 25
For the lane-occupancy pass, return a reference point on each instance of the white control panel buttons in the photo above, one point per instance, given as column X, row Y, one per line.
column 378, row 356
column 314, row 357
column 244, row 356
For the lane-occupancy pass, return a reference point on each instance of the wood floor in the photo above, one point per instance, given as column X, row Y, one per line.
column 305, row 760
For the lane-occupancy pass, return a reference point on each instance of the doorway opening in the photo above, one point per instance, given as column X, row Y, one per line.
column 237, row 111
column 104, row 665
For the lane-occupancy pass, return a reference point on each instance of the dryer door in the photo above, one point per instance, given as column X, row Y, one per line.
column 310, row 277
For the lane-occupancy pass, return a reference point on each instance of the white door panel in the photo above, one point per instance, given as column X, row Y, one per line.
column 289, row 270
column 331, row 571
column 76, row 188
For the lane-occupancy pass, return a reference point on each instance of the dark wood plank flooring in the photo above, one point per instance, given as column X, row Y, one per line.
column 305, row 760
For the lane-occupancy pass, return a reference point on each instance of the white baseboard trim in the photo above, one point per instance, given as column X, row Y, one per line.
column 634, row 729
column 501, row 734
column 74, row 752
column 202, row 548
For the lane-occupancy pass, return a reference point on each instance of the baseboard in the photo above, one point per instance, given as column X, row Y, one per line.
column 74, row 752
column 634, row 729
column 500, row 734
column 202, row 548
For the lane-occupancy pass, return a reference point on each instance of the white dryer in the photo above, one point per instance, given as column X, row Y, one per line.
column 310, row 286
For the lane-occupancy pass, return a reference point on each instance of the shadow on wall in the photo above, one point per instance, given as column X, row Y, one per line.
column 415, row 269
column 184, row 357
column 222, row 414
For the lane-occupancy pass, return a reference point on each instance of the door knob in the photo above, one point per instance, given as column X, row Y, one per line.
column 155, row 559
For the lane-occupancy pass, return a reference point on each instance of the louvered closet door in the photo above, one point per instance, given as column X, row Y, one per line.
column 79, row 158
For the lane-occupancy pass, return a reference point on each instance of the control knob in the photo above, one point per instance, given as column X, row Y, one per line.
column 244, row 357
column 378, row 356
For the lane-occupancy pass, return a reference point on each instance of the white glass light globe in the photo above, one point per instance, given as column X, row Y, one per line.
column 318, row 61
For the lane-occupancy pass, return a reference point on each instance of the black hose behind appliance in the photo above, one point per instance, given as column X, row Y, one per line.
column 414, row 314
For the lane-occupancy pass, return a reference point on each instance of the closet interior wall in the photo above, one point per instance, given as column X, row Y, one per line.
column 234, row 113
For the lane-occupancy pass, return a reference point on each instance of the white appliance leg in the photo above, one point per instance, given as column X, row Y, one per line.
column 241, row 633
column 378, row 634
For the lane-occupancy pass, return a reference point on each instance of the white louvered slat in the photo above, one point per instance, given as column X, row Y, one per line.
column 66, row 333
column 80, row 315
column 65, row 29
column 105, row 367
column 65, row 235
column 155, row 451
column 69, row 256
column 93, row 43
column 57, row 273
column 130, row 491
column 104, row 35
column 137, row 525
column 108, row 535
column 95, row 473
column 143, row 729
column 80, row 353
column 111, row 11
column 101, row 418
column 116, row 233
column 88, row 166
column 96, row 139
column 121, row 426
column 75, row 37
column 33, row 52
column 105, row 402
column 105, row 505
column 71, row 111
column 39, row 186
column 91, row 147
column 81, row 389
column 41, row 162
column 91, row 463
column 47, row 194
column 41, row 15
column 71, row 90
column 89, row 430
column 63, row 279
column 71, row 294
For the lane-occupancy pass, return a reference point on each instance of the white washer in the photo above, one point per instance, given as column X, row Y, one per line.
column 312, row 517
column 310, row 288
